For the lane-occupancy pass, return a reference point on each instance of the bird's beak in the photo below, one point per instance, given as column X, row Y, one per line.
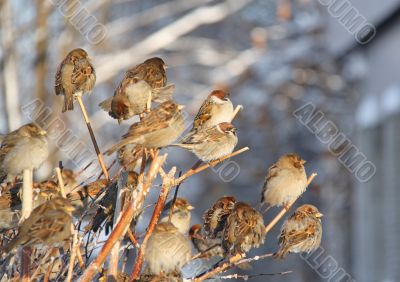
column 180, row 107
column 43, row 132
column 165, row 66
column 319, row 215
column 303, row 162
column 190, row 207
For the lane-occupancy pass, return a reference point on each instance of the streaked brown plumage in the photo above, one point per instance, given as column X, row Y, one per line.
column 159, row 128
column 285, row 182
column 209, row 247
column 215, row 217
column 244, row 229
column 48, row 224
column 167, row 249
column 24, row 148
column 211, row 143
column 132, row 94
column 106, row 209
column 130, row 157
column 215, row 109
column 75, row 76
column 301, row 232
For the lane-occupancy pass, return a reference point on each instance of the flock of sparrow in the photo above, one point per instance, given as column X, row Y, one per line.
column 229, row 227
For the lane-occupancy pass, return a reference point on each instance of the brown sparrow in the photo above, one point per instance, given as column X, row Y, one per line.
column 24, row 148
column 75, row 76
column 158, row 129
column 131, row 96
column 167, row 249
column 215, row 217
column 105, row 211
column 217, row 108
column 301, row 232
column 181, row 214
column 130, row 157
column 207, row 246
column 211, row 143
column 244, row 229
column 48, row 224
column 285, row 182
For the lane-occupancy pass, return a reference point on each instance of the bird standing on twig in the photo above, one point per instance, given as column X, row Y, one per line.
column 285, row 182
column 75, row 76
column 167, row 249
column 48, row 224
column 132, row 94
column 244, row 229
column 211, row 143
column 24, row 148
column 159, row 128
column 301, row 232
column 215, row 217
column 215, row 109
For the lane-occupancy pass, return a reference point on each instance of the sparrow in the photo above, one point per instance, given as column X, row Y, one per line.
column 106, row 209
column 132, row 94
column 211, row 143
column 24, row 148
column 82, row 196
column 158, row 129
column 48, row 224
column 181, row 214
column 75, row 76
column 217, row 108
column 215, row 217
column 286, row 180
column 167, row 249
column 207, row 246
column 244, row 229
column 130, row 157
column 301, row 232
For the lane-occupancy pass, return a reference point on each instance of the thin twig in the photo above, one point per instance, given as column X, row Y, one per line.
column 89, row 126
column 237, row 110
column 60, row 182
column 126, row 217
column 71, row 264
column 286, row 208
column 223, row 267
column 198, row 169
column 167, row 180
column 247, row 277
column 132, row 238
column 171, row 209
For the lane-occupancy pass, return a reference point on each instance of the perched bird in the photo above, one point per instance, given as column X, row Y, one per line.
column 132, row 94
column 24, row 148
column 301, row 232
column 207, row 246
column 181, row 214
column 75, row 76
column 211, row 143
column 217, row 108
column 285, row 182
column 82, row 196
column 167, row 249
column 158, row 129
column 244, row 229
column 48, row 224
column 130, row 157
column 215, row 217
column 106, row 209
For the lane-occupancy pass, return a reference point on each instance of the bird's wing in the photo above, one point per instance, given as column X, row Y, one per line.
column 203, row 115
column 149, row 124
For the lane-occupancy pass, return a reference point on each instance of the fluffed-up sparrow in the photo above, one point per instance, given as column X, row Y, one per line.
column 215, row 217
column 301, row 232
column 75, row 76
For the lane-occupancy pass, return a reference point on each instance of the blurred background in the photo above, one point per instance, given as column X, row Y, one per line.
column 273, row 56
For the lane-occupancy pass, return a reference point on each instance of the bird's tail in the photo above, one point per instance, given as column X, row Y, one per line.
column 68, row 103
column 117, row 146
column 163, row 94
column 106, row 104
